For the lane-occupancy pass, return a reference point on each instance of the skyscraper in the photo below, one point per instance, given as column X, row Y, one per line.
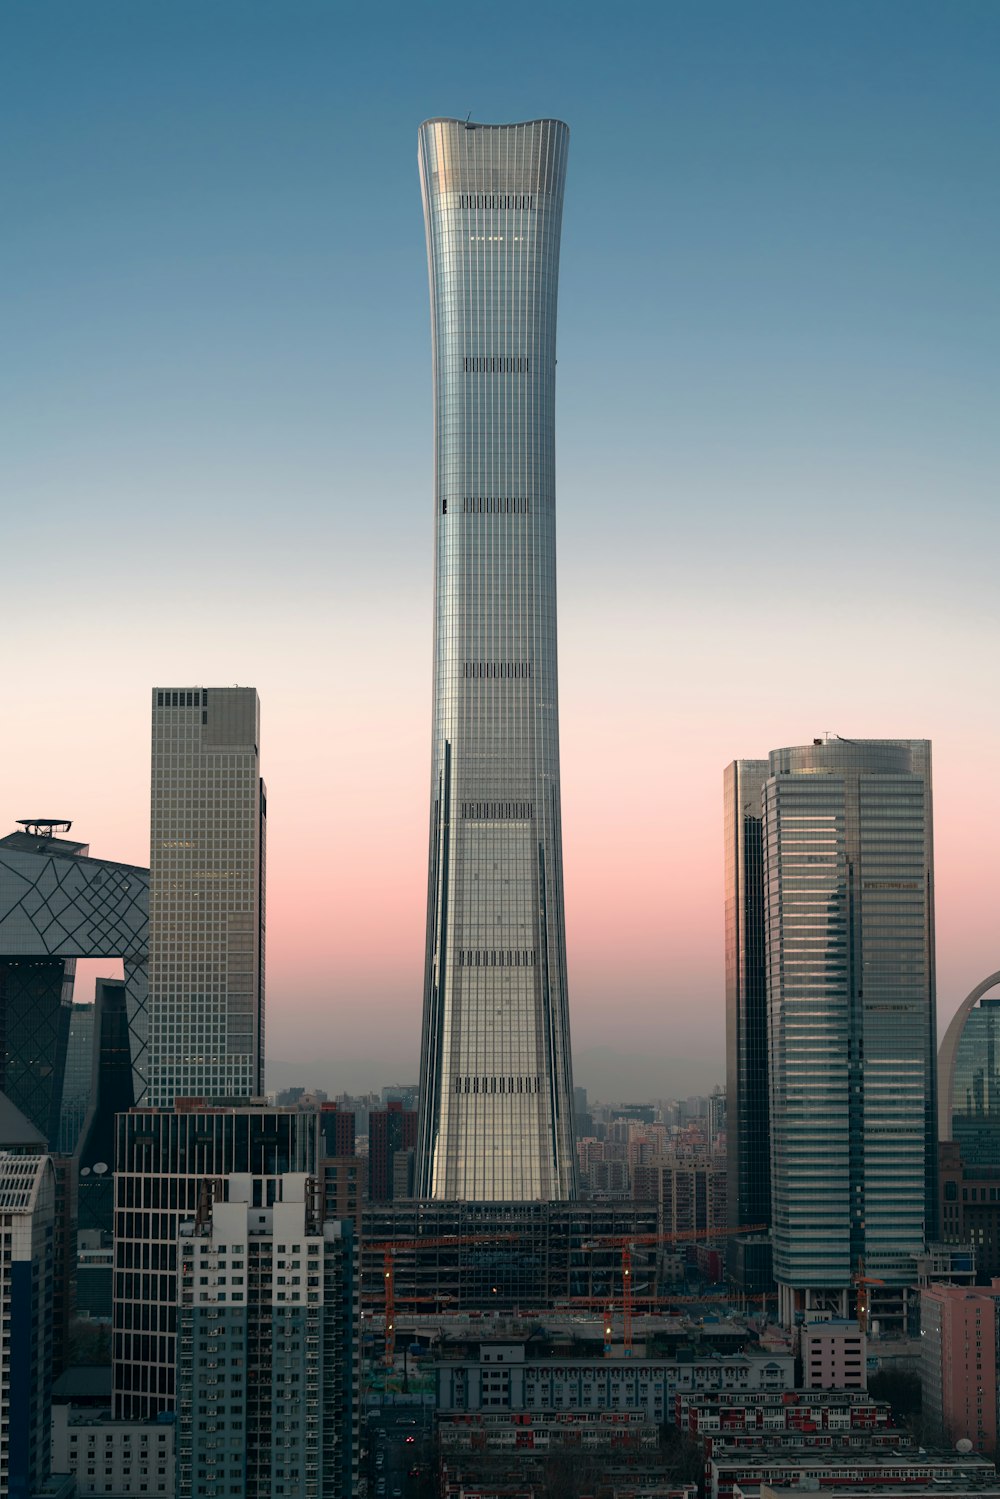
column 747, row 1132
column 849, row 933
column 496, row 1114
column 206, row 928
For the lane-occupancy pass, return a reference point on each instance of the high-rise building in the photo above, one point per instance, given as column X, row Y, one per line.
column 748, row 1141
column 27, row 1196
column 692, row 1194
column 58, row 904
column 849, row 927
column 960, row 1355
column 268, row 1392
column 165, row 1163
column 969, row 1126
column 496, row 1092
column 392, row 1131
column 206, row 929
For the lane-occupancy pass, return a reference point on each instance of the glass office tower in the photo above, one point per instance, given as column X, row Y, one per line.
column 849, row 925
column 206, row 917
column 496, row 1084
column 747, row 1132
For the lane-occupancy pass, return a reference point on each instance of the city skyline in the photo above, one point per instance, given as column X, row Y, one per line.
column 775, row 419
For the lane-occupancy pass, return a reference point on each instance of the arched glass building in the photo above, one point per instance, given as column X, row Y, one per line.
column 970, row 1076
column 969, row 1126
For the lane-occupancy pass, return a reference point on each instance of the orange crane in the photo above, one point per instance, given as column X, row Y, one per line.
column 391, row 1247
column 861, row 1281
column 627, row 1242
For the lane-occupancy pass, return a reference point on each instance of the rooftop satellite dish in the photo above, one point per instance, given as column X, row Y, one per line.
column 963, row 1445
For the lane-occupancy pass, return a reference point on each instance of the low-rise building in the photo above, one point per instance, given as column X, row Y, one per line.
column 113, row 1458
column 526, row 1376
column 834, row 1356
column 729, row 1470
column 767, row 1412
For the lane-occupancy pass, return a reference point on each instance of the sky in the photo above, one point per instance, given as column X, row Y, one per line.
column 777, row 455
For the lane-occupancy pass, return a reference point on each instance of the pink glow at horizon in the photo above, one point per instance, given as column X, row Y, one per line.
column 643, row 753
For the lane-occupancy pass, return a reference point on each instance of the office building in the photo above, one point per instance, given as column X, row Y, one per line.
column 268, row 1393
column 110, row 1457
column 496, row 1091
column 748, row 1141
column 849, row 922
column 78, row 1077
column 28, row 1202
column 206, row 931
column 960, row 1351
column 165, row 1164
column 392, row 1132
column 58, row 904
column 337, row 1124
column 969, row 1124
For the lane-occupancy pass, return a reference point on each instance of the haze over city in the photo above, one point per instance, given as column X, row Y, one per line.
column 777, row 458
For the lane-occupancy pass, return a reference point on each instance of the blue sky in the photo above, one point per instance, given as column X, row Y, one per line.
column 777, row 426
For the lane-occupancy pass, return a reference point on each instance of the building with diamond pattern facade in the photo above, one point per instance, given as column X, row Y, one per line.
column 58, row 904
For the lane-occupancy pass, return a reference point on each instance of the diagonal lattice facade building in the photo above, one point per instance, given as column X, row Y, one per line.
column 58, row 904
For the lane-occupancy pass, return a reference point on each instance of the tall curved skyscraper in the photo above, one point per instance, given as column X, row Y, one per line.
column 496, row 1120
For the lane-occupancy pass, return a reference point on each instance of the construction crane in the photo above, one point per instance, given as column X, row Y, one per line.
column 627, row 1242
column 861, row 1281
column 391, row 1247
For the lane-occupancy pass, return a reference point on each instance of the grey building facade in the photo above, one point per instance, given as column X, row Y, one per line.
column 207, row 847
column 496, row 1078
column 268, row 1392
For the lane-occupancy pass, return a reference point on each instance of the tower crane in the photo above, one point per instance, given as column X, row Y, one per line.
column 627, row 1242
column 391, row 1247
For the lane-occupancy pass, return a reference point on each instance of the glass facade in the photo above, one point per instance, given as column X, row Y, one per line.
column 970, row 1078
column 747, row 1114
column 167, row 1167
column 848, row 910
column 496, row 1082
column 206, row 931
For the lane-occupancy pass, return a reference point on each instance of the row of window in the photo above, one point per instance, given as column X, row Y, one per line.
column 504, row 811
column 495, row 1084
column 497, row 364
column 497, row 669
column 492, row 505
column 495, row 200
column 503, row 957
column 182, row 700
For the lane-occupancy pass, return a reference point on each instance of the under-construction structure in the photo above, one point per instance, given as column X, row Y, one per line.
column 516, row 1256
